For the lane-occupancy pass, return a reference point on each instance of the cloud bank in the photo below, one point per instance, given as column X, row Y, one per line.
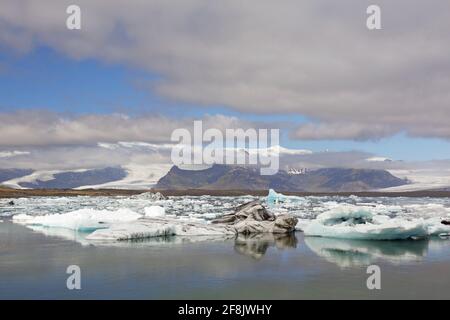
column 315, row 58
column 41, row 128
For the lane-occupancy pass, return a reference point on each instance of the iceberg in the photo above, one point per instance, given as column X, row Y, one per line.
column 437, row 228
column 149, row 196
column 356, row 222
column 159, row 227
column 274, row 198
column 132, row 231
column 84, row 220
column 154, row 211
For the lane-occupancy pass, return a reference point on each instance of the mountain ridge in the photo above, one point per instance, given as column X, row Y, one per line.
column 223, row 177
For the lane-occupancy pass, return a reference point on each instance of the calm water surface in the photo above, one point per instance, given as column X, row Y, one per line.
column 33, row 266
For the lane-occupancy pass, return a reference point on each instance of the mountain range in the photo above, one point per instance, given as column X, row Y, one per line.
column 217, row 177
column 223, row 177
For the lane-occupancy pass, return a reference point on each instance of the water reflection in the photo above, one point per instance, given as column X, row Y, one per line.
column 352, row 253
column 256, row 245
column 343, row 253
column 80, row 237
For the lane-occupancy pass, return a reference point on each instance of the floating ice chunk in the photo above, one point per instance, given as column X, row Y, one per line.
column 354, row 222
column 209, row 215
column 132, row 231
column 82, row 220
column 150, row 196
column 154, row 211
column 22, row 218
column 345, row 213
column 302, row 224
column 159, row 227
column 274, row 198
column 436, row 228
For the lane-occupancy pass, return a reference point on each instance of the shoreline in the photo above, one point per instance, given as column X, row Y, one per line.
column 25, row 193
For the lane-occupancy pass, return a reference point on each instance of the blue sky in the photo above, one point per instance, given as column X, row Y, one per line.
column 45, row 79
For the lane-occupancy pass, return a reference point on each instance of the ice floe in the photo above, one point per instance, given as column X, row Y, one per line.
column 436, row 228
column 81, row 220
column 274, row 198
column 159, row 227
column 380, row 218
column 356, row 222
column 154, row 211
column 366, row 219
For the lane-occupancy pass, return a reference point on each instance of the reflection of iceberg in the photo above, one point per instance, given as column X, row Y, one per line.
column 351, row 253
column 256, row 245
column 354, row 222
column 274, row 198
column 81, row 238
column 62, row 233
column 161, row 241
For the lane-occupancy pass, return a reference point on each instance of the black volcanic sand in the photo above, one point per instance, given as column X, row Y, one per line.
column 33, row 266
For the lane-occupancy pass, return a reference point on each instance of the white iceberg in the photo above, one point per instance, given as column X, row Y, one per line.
column 159, row 227
column 154, row 211
column 356, row 222
column 83, row 220
column 436, row 228
column 132, row 231
column 274, row 198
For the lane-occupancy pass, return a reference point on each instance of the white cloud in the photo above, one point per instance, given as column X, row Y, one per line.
column 343, row 131
column 378, row 159
column 39, row 128
column 14, row 153
column 315, row 58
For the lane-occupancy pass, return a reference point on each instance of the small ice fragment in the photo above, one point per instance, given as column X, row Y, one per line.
column 154, row 211
column 274, row 198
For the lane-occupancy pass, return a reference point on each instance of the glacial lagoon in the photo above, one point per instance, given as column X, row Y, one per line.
column 34, row 259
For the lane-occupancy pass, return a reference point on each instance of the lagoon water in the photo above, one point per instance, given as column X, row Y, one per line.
column 33, row 266
column 34, row 259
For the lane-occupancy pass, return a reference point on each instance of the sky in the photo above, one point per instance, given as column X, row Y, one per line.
column 310, row 68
